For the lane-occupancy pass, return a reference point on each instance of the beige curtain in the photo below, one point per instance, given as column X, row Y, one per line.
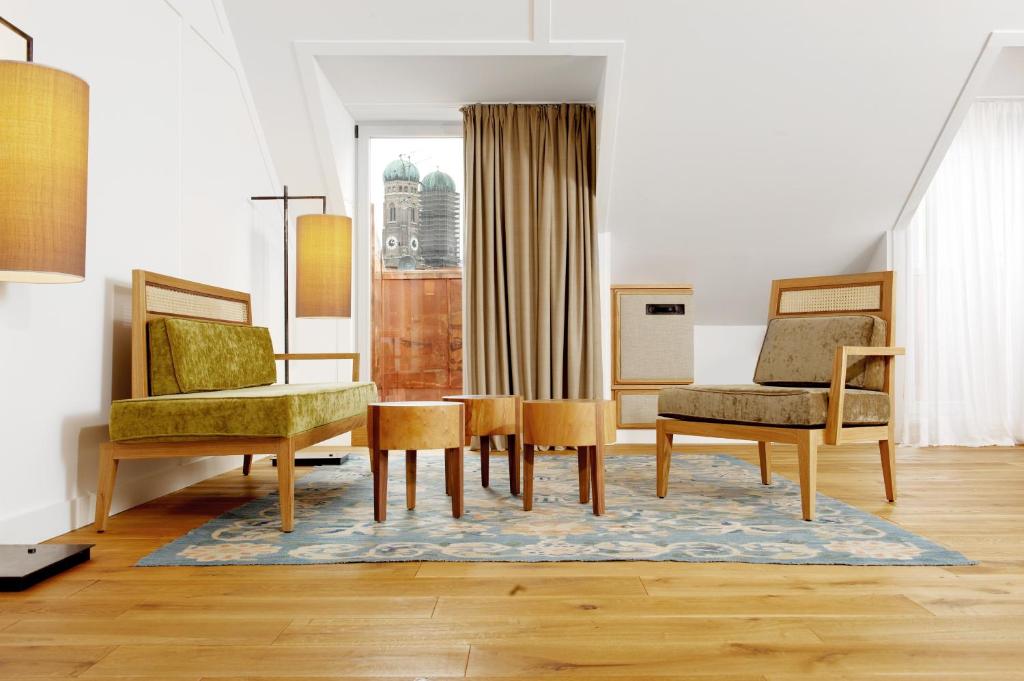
column 532, row 306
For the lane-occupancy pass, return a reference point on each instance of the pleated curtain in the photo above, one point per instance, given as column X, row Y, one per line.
column 963, row 289
column 532, row 301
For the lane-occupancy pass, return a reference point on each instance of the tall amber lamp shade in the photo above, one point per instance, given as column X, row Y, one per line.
column 323, row 277
column 44, row 147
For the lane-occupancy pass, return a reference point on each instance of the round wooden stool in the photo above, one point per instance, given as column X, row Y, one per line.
column 488, row 415
column 587, row 425
column 413, row 426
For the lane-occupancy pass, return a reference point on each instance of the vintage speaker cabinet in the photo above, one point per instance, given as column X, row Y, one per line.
column 652, row 347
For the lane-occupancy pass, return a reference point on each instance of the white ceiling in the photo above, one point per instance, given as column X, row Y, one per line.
column 755, row 139
column 434, row 87
column 1007, row 77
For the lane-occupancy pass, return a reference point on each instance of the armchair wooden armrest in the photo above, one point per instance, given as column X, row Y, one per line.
column 354, row 356
column 837, row 389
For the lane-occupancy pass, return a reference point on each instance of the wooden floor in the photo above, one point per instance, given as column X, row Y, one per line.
column 109, row 620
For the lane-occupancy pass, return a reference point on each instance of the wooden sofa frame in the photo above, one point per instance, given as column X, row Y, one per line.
column 812, row 297
column 157, row 295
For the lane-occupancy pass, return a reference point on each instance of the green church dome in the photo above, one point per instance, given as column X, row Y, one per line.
column 401, row 169
column 438, row 182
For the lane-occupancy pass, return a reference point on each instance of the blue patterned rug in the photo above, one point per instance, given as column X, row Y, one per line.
column 717, row 510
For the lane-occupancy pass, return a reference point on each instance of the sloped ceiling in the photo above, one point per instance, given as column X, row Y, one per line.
column 755, row 139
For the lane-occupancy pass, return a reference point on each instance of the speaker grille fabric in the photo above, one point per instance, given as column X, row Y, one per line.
column 655, row 348
column 637, row 408
column 838, row 299
column 161, row 300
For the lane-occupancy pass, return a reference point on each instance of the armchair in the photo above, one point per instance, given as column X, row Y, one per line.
column 824, row 376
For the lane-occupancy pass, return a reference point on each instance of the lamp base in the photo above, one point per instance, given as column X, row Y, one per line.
column 24, row 565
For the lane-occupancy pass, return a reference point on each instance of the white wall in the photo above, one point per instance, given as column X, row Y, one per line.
column 175, row 151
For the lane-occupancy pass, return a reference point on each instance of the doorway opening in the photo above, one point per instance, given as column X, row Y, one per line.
column 415, row 195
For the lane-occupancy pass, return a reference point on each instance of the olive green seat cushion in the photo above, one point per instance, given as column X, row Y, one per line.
column 771, row 405
column 189, row 356
column 261, row 411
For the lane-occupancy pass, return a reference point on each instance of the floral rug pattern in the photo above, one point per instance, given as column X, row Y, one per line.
column 717, row 510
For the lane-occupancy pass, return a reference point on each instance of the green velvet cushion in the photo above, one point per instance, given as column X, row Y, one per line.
column 802, row 350
column 264, row 411
column 214, row 356
column 162, row 380
column 771, row 405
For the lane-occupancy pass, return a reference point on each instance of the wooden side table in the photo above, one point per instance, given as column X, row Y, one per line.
column 488, row 415
column 587, row 425
column 413, row 426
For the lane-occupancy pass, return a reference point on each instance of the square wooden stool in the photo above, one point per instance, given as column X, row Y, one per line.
column 488, row 415
column 413, row 426
column 587, row 425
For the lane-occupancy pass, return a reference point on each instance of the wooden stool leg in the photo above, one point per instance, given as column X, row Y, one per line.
column 410, row 479
column 105, row 489
column 664, row 439
column 447, row 473
column 597, row 476
column 380, row 485
column 457, row 481
column 807, row 454
column 246, row 463
column 764, row 453
column 286, row 484
column 485, row 461
column 373, row 461
column 527, row 477
column 513, row 465
column 583, row 455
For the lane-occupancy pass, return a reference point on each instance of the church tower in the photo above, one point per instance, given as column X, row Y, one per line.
column 439, row 221
column 401, row 239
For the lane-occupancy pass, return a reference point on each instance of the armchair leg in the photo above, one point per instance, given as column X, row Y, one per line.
column 246, row 463
column 105, row 489
column 764, row 453
column 807, row 453
column 286, row 484
column 888, row 452
column 664, row 457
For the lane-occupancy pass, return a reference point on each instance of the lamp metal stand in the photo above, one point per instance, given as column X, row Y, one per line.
column 285, row 198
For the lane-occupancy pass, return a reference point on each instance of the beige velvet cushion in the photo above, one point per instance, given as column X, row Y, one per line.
column 771, row 405
column 801, row 351
column 264, row 411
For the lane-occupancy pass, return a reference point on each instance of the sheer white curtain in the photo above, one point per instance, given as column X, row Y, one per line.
column 963, row 290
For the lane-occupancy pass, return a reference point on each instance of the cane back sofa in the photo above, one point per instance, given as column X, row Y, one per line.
column 203, row 384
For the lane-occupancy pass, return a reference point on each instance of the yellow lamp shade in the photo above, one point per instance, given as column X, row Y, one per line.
column 44, row 147
column 323, row 277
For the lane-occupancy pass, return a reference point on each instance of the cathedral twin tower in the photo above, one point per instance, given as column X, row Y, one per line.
column 421, row 219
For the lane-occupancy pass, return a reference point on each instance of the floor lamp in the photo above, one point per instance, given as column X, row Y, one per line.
column 324, row 258
column 45, row 142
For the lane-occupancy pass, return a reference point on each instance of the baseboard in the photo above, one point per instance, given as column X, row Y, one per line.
column 50, row 521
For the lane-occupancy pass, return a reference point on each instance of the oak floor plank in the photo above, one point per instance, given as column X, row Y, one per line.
column 590, row 660
column 216, row 661
column 24, row 662
column 86, row 632
column 566, row 629
column 794, row 605
column 294, row 608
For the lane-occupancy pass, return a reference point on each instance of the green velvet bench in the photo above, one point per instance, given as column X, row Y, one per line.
column 203, row 384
